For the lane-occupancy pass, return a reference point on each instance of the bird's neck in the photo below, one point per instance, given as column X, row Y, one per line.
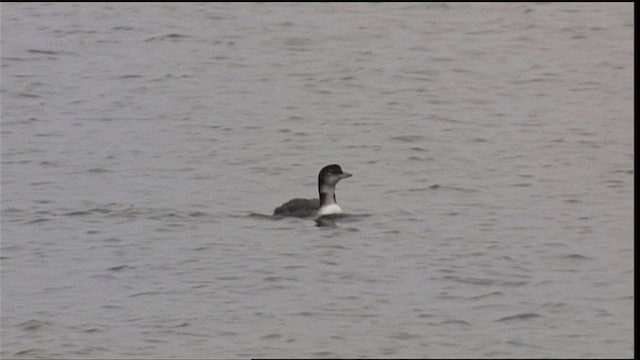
column 327, row 195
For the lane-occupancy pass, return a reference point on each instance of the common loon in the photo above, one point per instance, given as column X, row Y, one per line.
column 326, row 205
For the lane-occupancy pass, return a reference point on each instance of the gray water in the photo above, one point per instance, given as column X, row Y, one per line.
column 145, row 146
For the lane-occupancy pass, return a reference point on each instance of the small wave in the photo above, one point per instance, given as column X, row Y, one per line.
column 78, row 213
column 278, row 278
column 404, row 336
column 99, row 171
column 30, row 96
column 147, row 293
column 522, row 316
column 455, row 322
column 490, row 294
column 272, row 336
column 32, row 325
column 408, row 138
column 172, row 37
column 123, row 28
column 263, row 216
column 119, row 268
column 38, row 220
column 471, row 280
column 576, row 257
column 88, row 212
column 42, row 52
column 129, row 76
column 118, row 210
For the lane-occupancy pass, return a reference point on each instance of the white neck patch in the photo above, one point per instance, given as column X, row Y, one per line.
column 330, row 209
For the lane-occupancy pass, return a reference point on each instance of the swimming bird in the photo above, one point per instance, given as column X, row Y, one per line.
column 326, row 205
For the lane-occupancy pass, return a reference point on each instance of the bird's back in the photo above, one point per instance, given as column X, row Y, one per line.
column 298, row 208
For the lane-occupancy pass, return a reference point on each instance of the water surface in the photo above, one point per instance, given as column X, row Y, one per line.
column 144, row 147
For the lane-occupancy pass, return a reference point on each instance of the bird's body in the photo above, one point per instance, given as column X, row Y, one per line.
column 328, row 177
column 298, row 208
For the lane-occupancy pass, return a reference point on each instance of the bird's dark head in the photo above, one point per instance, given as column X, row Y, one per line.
column 331, row 174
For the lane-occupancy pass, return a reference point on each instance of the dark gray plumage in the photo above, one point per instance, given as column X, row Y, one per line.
column 298, row 208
